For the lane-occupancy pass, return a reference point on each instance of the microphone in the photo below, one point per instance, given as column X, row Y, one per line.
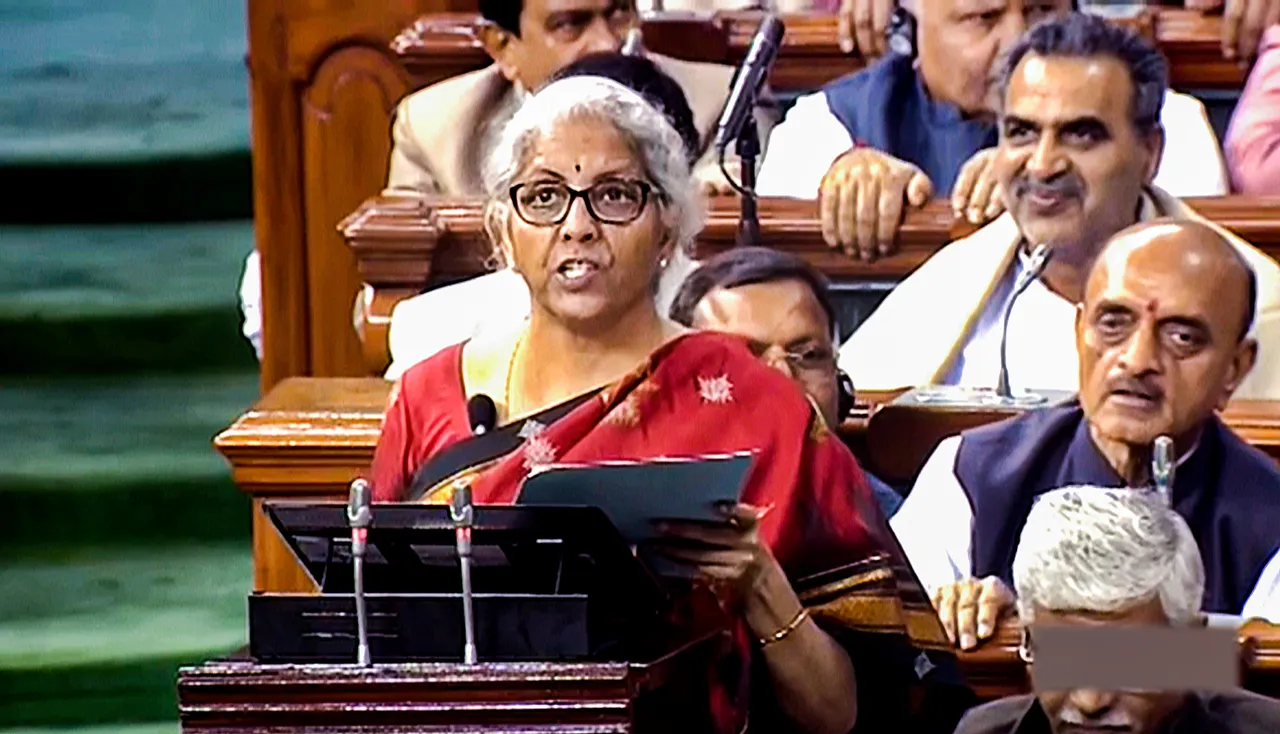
column 1035, row 266
column 462, row 514
column 482, row 414
column 360, row 516
column 751, row 76
column 1163, row 467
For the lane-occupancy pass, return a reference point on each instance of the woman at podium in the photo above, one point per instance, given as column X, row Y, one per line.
column 589, row 198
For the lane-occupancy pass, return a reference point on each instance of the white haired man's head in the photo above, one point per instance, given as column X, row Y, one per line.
column 1090, row 549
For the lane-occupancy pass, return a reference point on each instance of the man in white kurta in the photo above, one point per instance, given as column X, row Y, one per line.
column 942, row 325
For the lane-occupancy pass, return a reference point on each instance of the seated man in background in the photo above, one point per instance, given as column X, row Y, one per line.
column 1090, row 557
column 902, row 129
column 500, row 300
column 1253, row 140
column 1080, row 141
column 782, row 306
column 441, row 134
column 1163, row 342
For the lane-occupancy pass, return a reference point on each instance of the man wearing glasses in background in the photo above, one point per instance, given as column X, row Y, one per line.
column 782, row 306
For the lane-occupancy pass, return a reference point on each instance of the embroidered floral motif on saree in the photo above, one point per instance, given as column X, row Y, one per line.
column 717, row 390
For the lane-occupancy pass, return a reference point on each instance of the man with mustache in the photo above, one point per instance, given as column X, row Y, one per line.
column 899, row 131
column 1080, row 142
column 1092, row 558
column 1164, row 341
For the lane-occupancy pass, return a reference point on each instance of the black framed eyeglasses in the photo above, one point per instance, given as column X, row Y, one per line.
column 805, row 358
column 613, row 201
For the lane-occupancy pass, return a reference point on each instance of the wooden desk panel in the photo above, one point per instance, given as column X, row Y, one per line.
column 897, row 461
column 402, row 243
column 439, row 46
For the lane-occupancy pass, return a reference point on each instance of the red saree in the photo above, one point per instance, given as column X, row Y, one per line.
column 702, row 393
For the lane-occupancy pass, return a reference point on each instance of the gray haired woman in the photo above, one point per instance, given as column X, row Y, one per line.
column 590, row 199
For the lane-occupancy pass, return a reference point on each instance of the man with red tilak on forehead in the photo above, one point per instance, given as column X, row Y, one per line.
column 1163, row 336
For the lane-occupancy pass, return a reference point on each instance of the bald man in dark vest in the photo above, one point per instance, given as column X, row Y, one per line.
column 1163, row 342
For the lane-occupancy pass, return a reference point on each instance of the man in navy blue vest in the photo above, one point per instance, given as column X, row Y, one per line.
column 1163, row 342
column 901, row 130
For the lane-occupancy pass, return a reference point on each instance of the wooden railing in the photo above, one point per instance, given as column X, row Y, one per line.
column 401, row 244
column 439, row 46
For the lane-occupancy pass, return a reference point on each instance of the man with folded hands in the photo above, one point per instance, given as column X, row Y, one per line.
column 1163, row 339
column 1080, row 142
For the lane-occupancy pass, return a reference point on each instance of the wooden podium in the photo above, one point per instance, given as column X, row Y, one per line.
column 242, row 696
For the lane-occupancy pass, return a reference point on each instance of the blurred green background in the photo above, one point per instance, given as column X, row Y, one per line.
column 125, row 220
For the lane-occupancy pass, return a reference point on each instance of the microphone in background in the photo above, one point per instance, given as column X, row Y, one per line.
column 1163, row 466
column 634, row 44
column 738, row 122
column 360, row 516
column 482, row 414
column 462, row 513
column 1034, row 267
column 750, row 77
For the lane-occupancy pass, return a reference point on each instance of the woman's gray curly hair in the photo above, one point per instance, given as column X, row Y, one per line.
column 646, row 130
column 1101, row 550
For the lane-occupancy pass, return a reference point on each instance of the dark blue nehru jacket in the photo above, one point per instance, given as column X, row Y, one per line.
column 1228, row 492
column 885, row 106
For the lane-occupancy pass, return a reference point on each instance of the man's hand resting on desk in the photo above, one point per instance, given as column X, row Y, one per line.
column 977, row 197
column 861, row 25
column 971, row 609
column 861, row 201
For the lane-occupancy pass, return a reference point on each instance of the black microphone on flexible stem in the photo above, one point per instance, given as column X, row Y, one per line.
column 482, row 414
column 737, row 121
column 461, row 512
column 359, row 517
column 1033, row 269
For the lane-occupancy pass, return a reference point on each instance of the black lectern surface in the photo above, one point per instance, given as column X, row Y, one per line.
column 550, row 583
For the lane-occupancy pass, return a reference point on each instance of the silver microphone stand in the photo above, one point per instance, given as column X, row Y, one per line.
column 359, row 516
column 1163, row 468
column 462, row 513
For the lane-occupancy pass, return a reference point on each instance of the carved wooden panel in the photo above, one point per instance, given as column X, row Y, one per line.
column 290, row 43
column 352, row 96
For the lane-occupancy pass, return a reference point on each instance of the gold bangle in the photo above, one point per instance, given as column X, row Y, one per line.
column 786, row 631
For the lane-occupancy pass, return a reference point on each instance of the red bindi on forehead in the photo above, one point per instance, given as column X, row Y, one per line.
column 1152, row 306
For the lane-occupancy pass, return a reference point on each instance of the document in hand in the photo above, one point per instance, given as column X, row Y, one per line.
column 635, row 495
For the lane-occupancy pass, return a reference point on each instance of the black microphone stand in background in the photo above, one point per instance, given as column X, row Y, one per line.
column 748, row 147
